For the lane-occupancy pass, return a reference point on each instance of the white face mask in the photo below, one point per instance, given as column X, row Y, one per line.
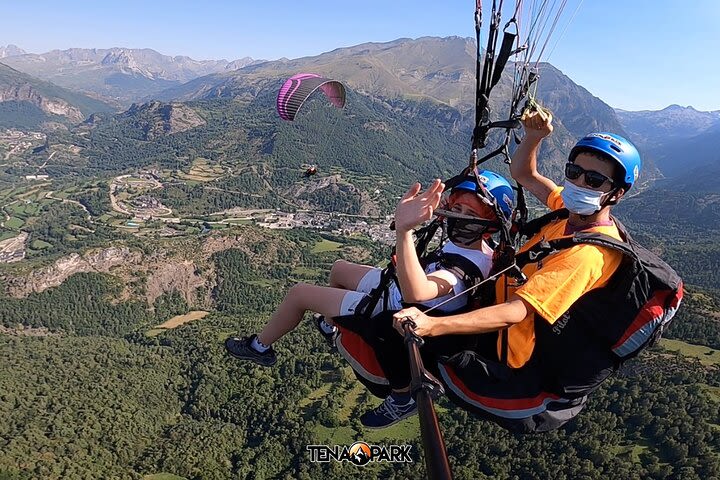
column 581, row 201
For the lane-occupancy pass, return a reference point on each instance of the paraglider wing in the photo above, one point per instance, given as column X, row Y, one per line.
column 299, row 87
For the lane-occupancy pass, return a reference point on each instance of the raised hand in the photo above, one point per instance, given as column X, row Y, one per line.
column 415, row 208
column 538, row 124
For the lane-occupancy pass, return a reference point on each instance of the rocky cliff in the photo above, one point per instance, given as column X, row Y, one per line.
column 186, row 268
column 53, row 106
column 93, row 261
column 157, row 118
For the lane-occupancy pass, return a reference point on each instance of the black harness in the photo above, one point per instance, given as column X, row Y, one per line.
column 460, row 266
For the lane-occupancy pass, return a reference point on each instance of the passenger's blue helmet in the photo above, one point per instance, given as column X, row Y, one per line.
column 496, row 185
column 614, row 147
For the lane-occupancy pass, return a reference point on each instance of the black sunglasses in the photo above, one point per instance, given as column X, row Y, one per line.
column 593, row 179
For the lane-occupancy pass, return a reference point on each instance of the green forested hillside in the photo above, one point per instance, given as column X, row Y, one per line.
column 24, row 115
column 364, row 153
column 365, row 137
column 100, row 407
column 103, row 399
column 376, row 142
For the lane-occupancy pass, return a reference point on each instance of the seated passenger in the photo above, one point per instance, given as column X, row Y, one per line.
column 351, row 283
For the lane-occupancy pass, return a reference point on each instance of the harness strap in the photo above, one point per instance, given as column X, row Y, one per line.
column 533, row 226
column 520, row 217
column 506, row 49
column 367, row 305
column 543, row 248
column 423, row 237
column 462, row 267
column 484, row 89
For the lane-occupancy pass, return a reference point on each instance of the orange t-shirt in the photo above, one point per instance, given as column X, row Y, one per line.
column 556, row 282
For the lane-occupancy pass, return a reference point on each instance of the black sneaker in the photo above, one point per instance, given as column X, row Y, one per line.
column 242, row 348
column 388, row 413
column 329, row 337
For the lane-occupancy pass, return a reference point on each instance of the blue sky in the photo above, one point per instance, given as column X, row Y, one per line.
column 633, row 54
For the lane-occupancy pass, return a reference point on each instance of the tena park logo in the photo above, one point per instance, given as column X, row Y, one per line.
column 360, row 453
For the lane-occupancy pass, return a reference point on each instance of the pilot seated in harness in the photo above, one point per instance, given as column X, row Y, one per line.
column 593, row 297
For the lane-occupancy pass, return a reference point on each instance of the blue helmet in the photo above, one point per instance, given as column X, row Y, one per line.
column 614, row 147
column 499, row 189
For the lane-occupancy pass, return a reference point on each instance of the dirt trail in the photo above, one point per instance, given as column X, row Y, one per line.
column 67, row 200
column 14, row 149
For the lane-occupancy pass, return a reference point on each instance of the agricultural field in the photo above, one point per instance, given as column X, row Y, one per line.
column 326, row 246
column 202, row 170
column 20, row 204
column 706, row 355
column 176, row 321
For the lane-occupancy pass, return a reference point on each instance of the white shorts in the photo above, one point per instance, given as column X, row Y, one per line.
column 370, row 280
column 351, row 299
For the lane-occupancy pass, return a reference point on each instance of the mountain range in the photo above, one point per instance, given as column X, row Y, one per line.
column 436, row 71
column 671, row 123
column 429, row 76
column 678, row 138
column 120, row 75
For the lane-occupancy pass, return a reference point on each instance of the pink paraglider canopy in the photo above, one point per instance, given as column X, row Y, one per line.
column 299, row 87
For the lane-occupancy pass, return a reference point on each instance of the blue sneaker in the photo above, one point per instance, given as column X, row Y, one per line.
column 388, row 413
column 329, row 337
column 242, row 348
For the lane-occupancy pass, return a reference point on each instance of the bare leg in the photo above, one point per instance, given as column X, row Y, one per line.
column 347, row 275
column 301, row 297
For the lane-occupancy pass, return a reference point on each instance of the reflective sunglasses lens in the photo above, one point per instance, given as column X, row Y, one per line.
column 572, row 171
column 594, row 179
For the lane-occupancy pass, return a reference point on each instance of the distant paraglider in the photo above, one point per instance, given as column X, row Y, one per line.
column 310, row 170
column 298, row 88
